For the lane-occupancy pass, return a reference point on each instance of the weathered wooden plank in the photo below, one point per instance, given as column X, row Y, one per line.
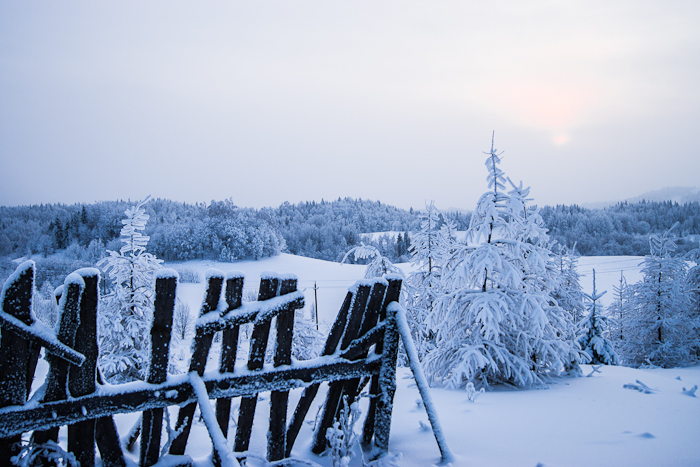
column 277, row 433
column 249, row 312
column 335, row 390
column 387, row 383
column 229, row 346
column 382, row 388
column 258, row 344
column 82, row 380
column 37, row 334
column 57, row 378
column 202, row 344
column 15, row 352
column 138, row 396
column 369, row 322
column 107, row 440
column 310, row 392
column 152, row 420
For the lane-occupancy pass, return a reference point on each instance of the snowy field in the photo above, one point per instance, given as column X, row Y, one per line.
column 586, row 421
column 591, row 421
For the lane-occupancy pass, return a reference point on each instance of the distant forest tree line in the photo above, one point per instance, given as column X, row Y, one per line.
column 623, row 229
column 326, row 230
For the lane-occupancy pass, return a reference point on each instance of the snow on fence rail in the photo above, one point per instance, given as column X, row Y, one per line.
column 74, row 394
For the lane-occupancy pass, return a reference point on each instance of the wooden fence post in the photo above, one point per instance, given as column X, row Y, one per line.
column 256, row 359
column 82, row 380
column 383, row 386
column 335, row 389
column 229, row 345
column 276, row 436
column 202, row 344
column 15, row 351
column 376, row 299
column 310, row 392
column 68, row 321
column 152, row 420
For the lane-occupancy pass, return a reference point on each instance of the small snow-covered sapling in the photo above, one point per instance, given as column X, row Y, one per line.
column 33, row 454
column 691, row 391
column 472, row 393
column 341, row 436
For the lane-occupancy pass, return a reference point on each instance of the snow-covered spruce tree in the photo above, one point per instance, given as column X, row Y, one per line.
column 126, row 312
column 594, row 340
column 569, row 293
column 619, row 310
column 662, row 331
column 496, row 320
column 692, row 284
column 429, row 248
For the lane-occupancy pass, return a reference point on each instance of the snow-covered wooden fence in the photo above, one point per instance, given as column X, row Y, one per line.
column 74, row 394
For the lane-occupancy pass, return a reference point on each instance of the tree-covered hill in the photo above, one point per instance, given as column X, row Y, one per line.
column 622, row 229
column 326, row 230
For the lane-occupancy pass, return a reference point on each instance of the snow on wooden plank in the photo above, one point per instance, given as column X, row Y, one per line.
column 251, row 311
column 42, row 335
column 140, row 396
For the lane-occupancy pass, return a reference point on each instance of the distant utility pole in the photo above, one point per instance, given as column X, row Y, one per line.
column 316, row 304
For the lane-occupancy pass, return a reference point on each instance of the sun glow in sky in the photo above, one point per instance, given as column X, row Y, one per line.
column 268, row 102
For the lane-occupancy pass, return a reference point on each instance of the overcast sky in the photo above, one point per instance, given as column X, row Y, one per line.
column 266, row 101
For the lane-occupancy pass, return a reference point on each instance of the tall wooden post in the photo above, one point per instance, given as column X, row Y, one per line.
column 82, row 380
column 202, row 344
column 15, row 351
column 152, row 420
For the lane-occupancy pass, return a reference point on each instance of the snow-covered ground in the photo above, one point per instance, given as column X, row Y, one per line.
column 585, row 421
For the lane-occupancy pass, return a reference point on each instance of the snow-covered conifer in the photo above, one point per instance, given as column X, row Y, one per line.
column 594, row 341
column 662, row 330
column 422, row 287
column 619, row 309
column 126, row 312
column 496, row 320
column 569, row 294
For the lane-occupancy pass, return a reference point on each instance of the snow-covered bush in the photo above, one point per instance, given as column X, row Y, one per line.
column 188, row 275
column 307, row 341
column 594, row 340
column 126, row 312
column 49, row 453
column 378, row 266
column 44, row 305
column 496, row 320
